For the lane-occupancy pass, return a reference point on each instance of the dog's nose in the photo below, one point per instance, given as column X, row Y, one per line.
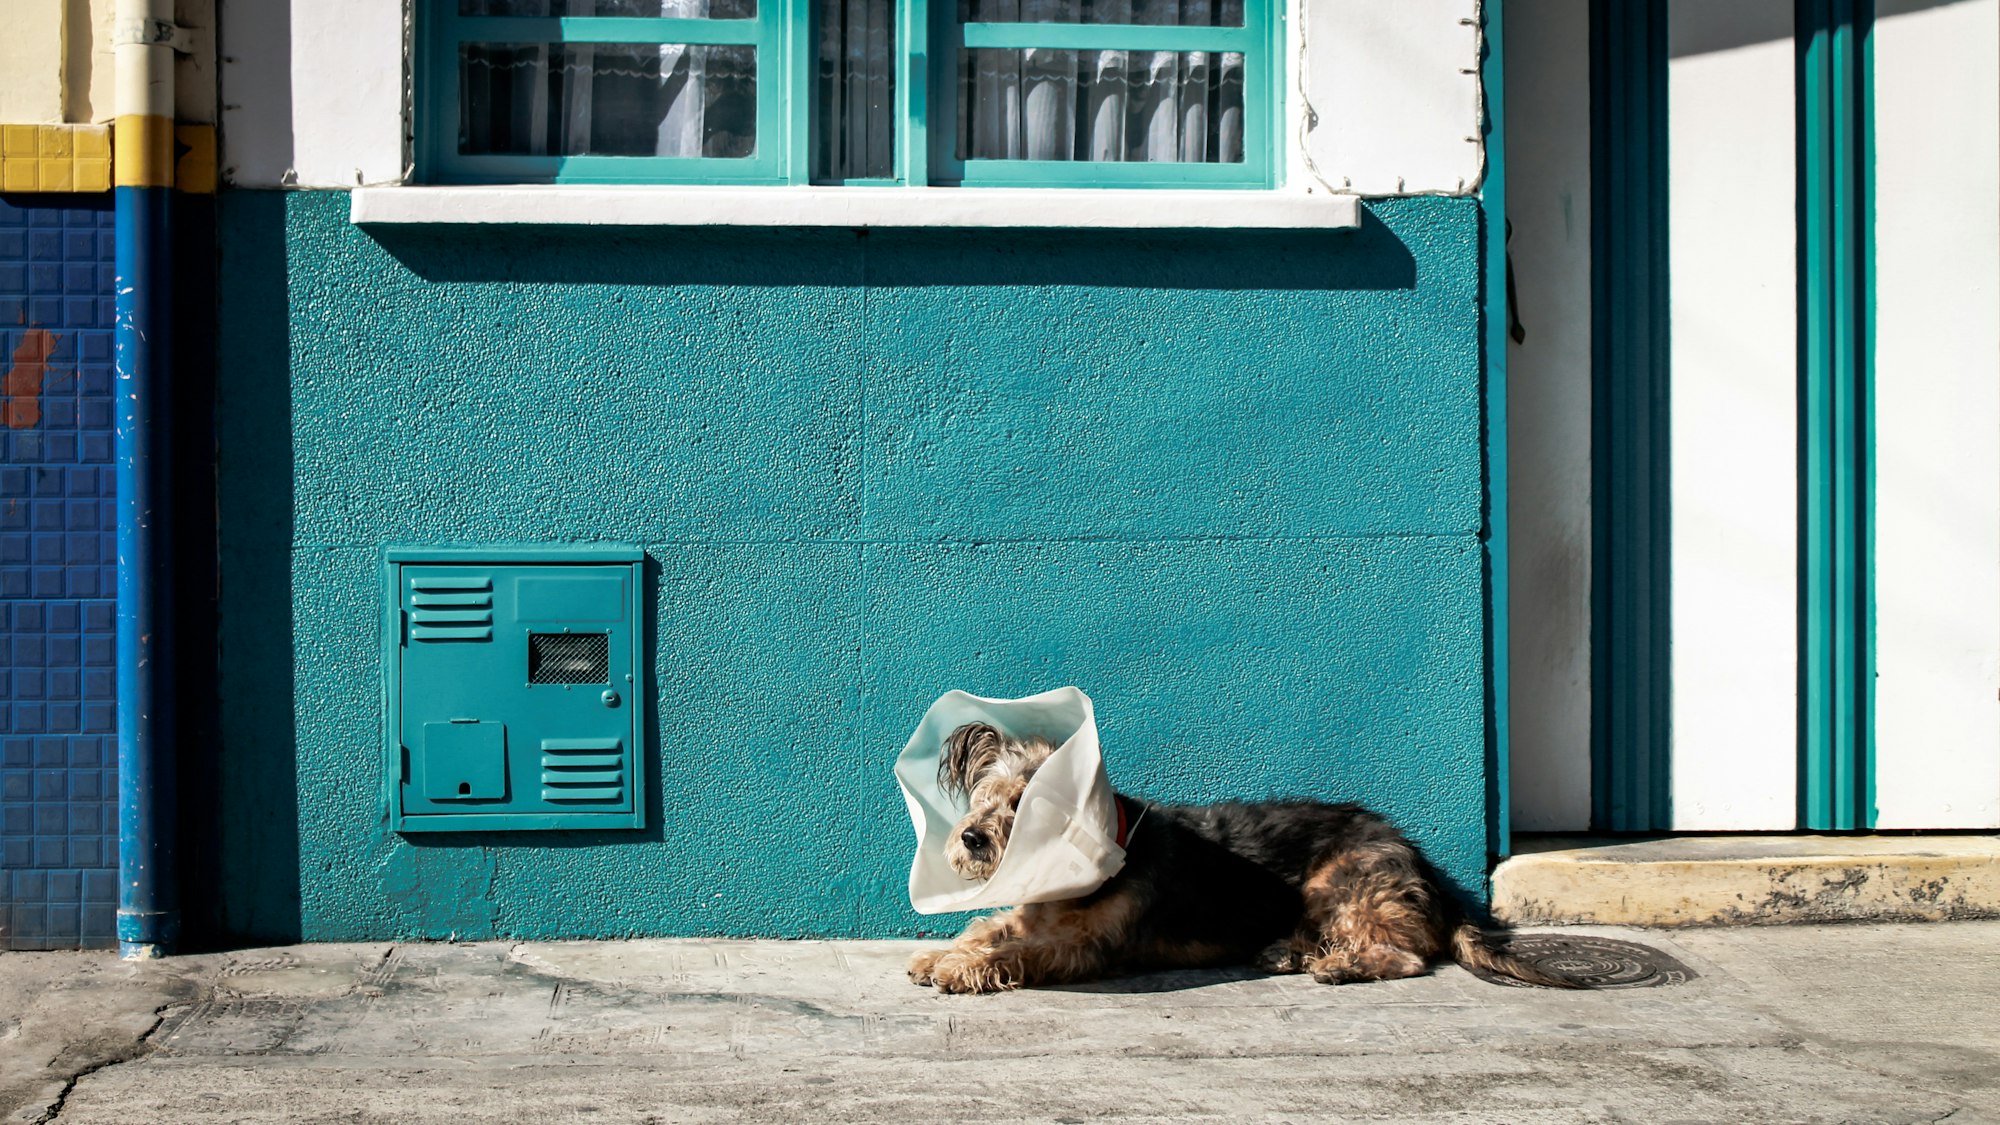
column 973, row 838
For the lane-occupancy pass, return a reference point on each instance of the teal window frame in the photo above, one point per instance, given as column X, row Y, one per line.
column 926, row 80
column 1259, row 41
column 442, row 32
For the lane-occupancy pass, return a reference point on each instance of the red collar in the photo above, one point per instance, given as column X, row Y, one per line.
column 1130, row 813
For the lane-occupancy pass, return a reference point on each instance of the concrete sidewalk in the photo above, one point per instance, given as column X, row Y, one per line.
column 1861, row 1023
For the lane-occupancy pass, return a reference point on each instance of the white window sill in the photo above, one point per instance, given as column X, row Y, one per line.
column 566, row 204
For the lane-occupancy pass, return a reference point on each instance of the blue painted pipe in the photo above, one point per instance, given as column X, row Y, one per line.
column 148, row 907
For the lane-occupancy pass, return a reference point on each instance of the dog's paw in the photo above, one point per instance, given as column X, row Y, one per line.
column 1280, row 957
column 921, row 964
column 976, row 973
column 1376, row 962
column 1333, row 970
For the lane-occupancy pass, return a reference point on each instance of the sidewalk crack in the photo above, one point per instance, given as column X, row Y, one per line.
column 141, row 1047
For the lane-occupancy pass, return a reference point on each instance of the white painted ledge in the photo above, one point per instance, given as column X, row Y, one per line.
column 565, row 204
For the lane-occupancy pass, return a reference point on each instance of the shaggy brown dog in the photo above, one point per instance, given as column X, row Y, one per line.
column 1293, row 886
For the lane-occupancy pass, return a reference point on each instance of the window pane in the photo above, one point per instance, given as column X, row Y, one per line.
column 857, row 90
column 1176, row 13
column 1150, row 106
column 607, row 99
column 671, row 9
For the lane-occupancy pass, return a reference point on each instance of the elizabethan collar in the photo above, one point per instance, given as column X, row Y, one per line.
column 1065, row 841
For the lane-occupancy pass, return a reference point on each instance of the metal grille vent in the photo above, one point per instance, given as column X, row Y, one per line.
column 569, row 658
column 583, row 769
column 451, row 609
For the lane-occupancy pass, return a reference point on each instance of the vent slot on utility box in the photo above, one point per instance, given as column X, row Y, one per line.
column 569, row 658
column 451, row 609
column 582, row 769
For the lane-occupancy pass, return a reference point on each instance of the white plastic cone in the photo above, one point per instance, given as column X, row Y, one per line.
column 1065, row 839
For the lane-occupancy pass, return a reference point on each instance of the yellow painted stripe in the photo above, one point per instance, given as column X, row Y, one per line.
column 51, row 158
column 194, row 159
column 145, row 151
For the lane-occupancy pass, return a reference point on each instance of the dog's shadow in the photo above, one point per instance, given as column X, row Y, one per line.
column 1170, row 980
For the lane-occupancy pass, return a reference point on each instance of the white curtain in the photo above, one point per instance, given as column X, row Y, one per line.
column 683, row 72
column 619, row 99
column 1044, row 104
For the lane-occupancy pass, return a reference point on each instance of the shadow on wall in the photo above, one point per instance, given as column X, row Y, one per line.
column 256, row 107
column 195, row 608
column 1370, row 258
column 1711, row 26
column 247, row 891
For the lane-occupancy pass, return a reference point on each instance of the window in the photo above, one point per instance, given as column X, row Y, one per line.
column 605, row 91
column 1077, row 93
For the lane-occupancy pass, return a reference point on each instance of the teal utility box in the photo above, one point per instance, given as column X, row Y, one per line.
column 514, row 695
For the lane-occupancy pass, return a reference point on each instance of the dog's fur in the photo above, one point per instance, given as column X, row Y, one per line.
column 1292, row 886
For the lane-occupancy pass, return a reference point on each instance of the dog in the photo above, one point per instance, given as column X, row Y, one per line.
column 1291, row 886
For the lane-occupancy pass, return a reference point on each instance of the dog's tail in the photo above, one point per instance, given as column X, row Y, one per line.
column 1471, row 948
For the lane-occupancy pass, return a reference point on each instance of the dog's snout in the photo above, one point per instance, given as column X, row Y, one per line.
column 973, row 838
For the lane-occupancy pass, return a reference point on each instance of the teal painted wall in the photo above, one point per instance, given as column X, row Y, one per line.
column 1228, row 484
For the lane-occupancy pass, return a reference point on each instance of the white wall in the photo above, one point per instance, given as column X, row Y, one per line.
column 57, row 62
column 1734, row 375
column 1396, row 94
column 31, row 62
column 1937, row 415
column 1548, row 413
column 312, row 93
column 1734, row 391
column 195, row 93
column 1734, row 396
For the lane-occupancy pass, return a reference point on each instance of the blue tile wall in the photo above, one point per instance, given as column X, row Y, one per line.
column 58, row 723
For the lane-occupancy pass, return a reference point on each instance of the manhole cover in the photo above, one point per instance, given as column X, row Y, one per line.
column 1593, row 962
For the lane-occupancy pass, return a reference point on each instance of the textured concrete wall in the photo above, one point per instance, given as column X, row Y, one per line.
column 1228, row 484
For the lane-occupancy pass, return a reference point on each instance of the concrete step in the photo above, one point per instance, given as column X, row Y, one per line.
column 1747, row 880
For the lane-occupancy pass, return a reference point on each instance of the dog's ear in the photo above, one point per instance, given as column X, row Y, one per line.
column 968, row 752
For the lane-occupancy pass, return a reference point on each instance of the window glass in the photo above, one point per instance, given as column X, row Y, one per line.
column 855, row 130
column 1181, row 13
column 607, row 99
column 1140, row 106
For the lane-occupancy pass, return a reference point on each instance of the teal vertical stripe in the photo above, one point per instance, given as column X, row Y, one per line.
column 800, row 107
column 913, row 147
column 1836, row 414
column 1493, row 201
column 1630, row 514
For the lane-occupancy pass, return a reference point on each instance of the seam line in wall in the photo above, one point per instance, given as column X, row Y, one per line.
column 925, row 541
column 865, row 369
